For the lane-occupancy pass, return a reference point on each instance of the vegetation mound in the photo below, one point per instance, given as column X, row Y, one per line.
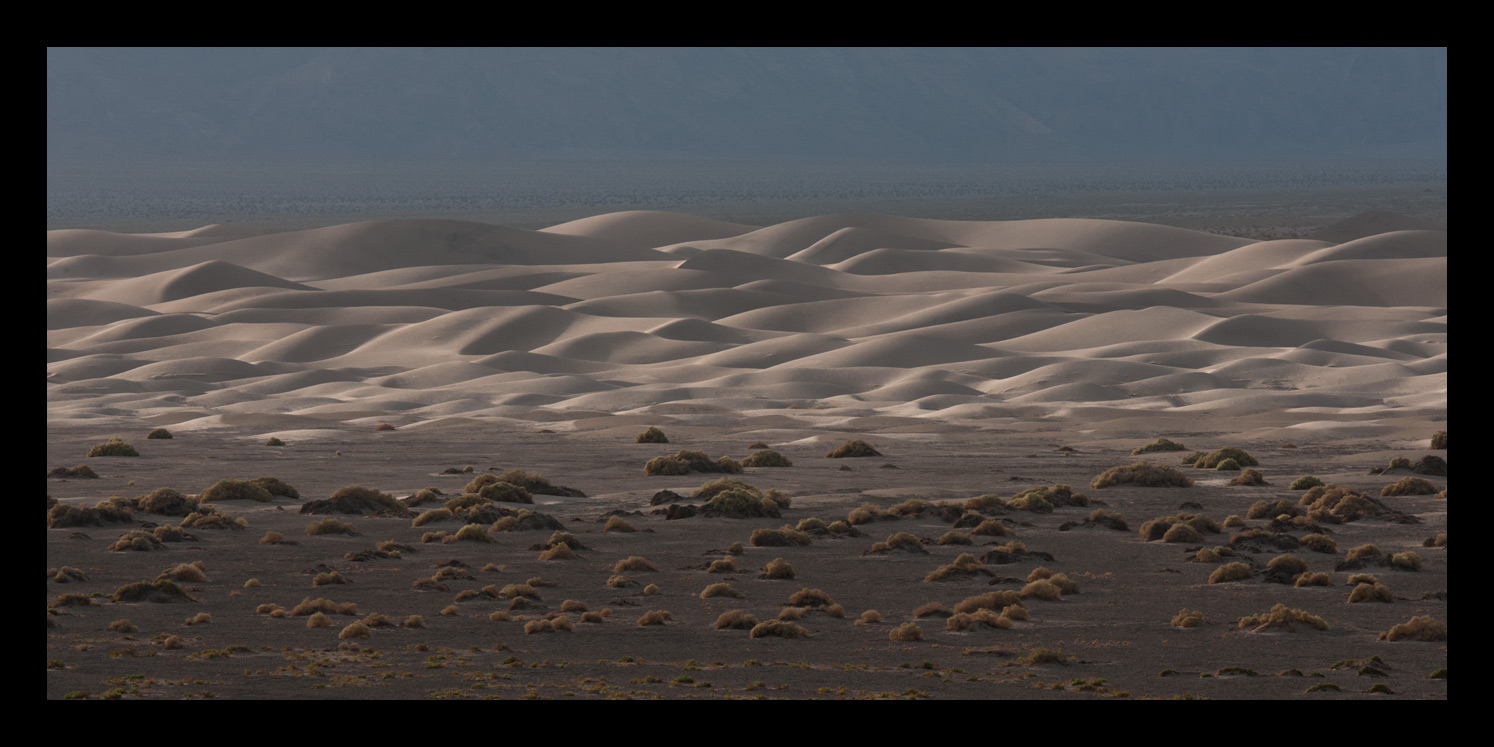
column 852, row 449
column 766, row 458
column 115, row 446
column 1161, row 444
column 651, row 436
column 685, row 462
column 235, row 490
column 158, row 591
column 356, row 499
column 1213, row 459
column 1142, row 474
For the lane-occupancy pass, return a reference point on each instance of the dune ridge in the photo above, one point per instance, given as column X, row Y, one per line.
column 819, row 320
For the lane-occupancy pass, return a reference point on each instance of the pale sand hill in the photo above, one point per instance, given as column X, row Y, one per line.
column 1072, row 322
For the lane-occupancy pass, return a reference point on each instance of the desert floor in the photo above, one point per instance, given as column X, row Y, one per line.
column 979, row 357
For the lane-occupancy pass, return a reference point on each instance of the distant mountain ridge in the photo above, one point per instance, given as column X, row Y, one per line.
column 979, row 104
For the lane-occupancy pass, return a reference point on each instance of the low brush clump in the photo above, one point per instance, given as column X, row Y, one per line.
column 1305, row 482
column 63, row 515
column 1320, row 543
column 1213, row 459
column 115, row 446
column 235, row 490
column 1371, row 592
column 963, row 567
column 1281, row 617
column 1342, row 502
column 187, row 572
column 1409, row 486
column 356, row 499
column 1419, row 628
column 1250, row 476
column 309, row 606
column 651, row 436
column 1142, row 474
column 1044, row 499
column 470, row 533
column 766, row 458
column 779, row 629
column 1406, row 561
column 852, row 449
column 1271, row 509
column 777, row 568
column 1160, row 527
column 898, row 542
column 634, row 563
column 735, row 620
column 1161, row 444
column 721, row 590
column 159, row 433
column 80, row 472
column 617, row 524
column 158, row 591
column 1439, row 441
column 906, row 632
column 739, row 503
column 784, row 536
column 655, row 617
column 982, row 618
column 685, row 462
column 1187, row 618
column 727, row 564
column 330, row 525
column 1231, row 572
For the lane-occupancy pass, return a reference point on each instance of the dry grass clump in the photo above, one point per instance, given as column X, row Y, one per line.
column 1231, row 572
column 1159, row 528
column 355, row 629
column 686, row 461
column 1305, row 482
column 851, row 449
column 1364, row 551
column 1409, row 486
column 932, row 609
column 1437, row 540
column 310, row 606
column 1249, row 476
column 766, row 458
column 276, row 486
column 634, row 563
column 962, row 567
column 991, row 600
column 1342, row 502
column 525, row 520
column 651, row 436
column 617, row 524
column 158, row 433
column 558, row 551
column 726, row 564
column 115, row 446
column 137, row 541
column 1281, row 617
column 1419, row 628
column 1272, row 509
column 273, row 441
column 464, row 502
column 1142, row 474
column 906, row 632
column 80, row 472
column 784, row 536
column 738, row 503
column 955, row 538
column 721, row 590
column 1043, row 589
column 470, row 533
column 330, row 525
column 166, row 502
column 1406, row 561
column 807, row 597
column 549, row 625
column 899, row 542
column 431, row 514
column 235, row 490
column 1213, row 459
column 356, row 499
column 1061, row 580
column 1161, row 444
column 64, row 515
column 1313, row 579
column 1285, row 568
column 983, row 618
column 66, row 574
column 1439, row 440
column 1319, row 543
column 1182, row 533
column 619, row 581
column 186, row 572
column 1371, row 592
column 329, row 578
column 123, row 626
column 779, row 629
column 869, row 617
column 383, row 427
column 1186, row 618
column 655, row 617
column 735, row 620
column 318, row 620
column 504, row 492
column 159, row 591
column 536, row 483
column 777, row 568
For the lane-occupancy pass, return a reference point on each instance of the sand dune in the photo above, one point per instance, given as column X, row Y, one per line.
column 841, row 317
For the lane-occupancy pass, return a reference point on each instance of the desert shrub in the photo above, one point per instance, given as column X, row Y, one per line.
column 955, row 538
column 982, row 618
column 1439, row 440
column 309, row 606
column 470, row 533
column 778, row 628
column 1319, row 543
column 685, row 462
column 166, row 502
column 1419, row 628
column 1304, row 482
column 558, row 551
column 727, row 564
column 1409, row 486
column 330, row 525
column 634, row 563
column 356, row 629
column 864, row 514
column 123, row 626
column 64, row 515
column 739, row 503
column 1227, row 465
column 234, row 490
column 1061, row 580
column 1161, row 444
column 1213, row 459
column 188, row 572
column 158, row 433
column 160, row 590
column 990, row 528
column 80, row 472
column 784, row 536
column 1406, row 561
column 1371, row 592
column 137, row 541
column 273, row 441
column 1187, row 618
column 1230, row 572
column 853, row 448
column 1313, row 579
column 1364, row 551
column 807, row 597
column 651, row 436
column 1271, row 509
column 777, row 568
column 1281, row 616
column 721, row 590
column 1043, row 589
column 505, row 492
column 1182, row 533
column 899, row 542
column 1249, row 476
column 906, row 632
column 429, row 515
column 318, row 620
column 1142, row 474
column 617, row 524
column 869, row 617
column 115, row 446
column 766, row 458
column 356, row 499
column 619, row 581
column 655, row 617
column 1191, row 457
column 735, row 620
column 276, row 486
column 810, row 524
column 464, row 502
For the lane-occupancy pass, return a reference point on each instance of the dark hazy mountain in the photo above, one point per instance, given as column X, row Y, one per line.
column 838, row 104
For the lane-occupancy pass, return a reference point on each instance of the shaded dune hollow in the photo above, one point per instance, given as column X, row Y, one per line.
column 415, row 321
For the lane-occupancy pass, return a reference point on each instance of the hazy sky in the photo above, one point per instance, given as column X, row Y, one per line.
column 860, row 104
